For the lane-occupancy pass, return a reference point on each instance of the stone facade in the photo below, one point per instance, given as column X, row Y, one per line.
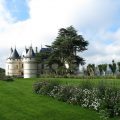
column 26, row 65
column 22, row 66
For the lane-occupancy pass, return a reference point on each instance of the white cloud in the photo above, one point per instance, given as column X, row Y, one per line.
column 46, row 18
column 92, row 18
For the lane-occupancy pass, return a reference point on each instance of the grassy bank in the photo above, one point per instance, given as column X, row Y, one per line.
column 17, row 101
column 94, row 82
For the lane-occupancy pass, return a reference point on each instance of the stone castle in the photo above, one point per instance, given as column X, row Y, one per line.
column 24, row 65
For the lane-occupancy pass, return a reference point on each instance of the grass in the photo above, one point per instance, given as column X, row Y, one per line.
column 94, row 82
column 18, row 102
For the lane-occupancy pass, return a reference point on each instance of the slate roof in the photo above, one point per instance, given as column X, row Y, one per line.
column 14, row 54
column 45, row 49
column 30, row 53
column 24, row 52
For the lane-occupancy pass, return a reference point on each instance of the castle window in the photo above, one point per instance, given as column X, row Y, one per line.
column 22, row 65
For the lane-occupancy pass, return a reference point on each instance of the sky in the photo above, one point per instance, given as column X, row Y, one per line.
column 36, row 22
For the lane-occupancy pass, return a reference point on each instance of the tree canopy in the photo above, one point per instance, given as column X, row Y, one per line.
column 65, row 48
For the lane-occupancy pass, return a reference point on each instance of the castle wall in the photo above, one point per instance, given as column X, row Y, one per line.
column 30, row 67
column 13, row 67
column 26, row 66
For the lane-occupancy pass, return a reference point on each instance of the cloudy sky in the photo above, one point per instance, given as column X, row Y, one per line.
column 36, row 22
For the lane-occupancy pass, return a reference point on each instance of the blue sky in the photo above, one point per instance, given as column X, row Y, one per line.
column 18, row 9
column 23, row 22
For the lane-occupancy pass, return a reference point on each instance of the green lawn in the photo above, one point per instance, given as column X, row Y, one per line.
column 73, row 81
column 18, row 102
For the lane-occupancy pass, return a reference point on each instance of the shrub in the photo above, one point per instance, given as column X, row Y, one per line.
column 111, row 102
column 8, row 78
column 102, row 86
column 76, row 97
column 44, row 87
column 104, row 99
column 64, row 93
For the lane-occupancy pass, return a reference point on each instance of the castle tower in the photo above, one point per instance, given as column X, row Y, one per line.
column 30, row 64
column 13, row 64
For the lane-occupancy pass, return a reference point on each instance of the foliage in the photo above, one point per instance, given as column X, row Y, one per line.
column 91, row 69
column 113, row 67
column 42, row 58
column 6, row 78
column 102, row 68
column 66, row 46
column 118, row 66
column 63, row 51
column 2, row 73
column 45, row 87
column 111, row 102
column 101, row 98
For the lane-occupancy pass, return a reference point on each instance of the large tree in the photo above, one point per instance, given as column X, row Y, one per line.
column 63, row 51
column 66, row 46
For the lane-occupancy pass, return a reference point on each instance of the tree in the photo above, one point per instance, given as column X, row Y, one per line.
column 2, row 73
column 42, row 58
column 100, row 69
column 118, row 66
column 104, row 67
column 91, row 69
column 66, row 46
column 113, row 67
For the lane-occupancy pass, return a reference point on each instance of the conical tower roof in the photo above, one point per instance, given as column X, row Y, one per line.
column 14, row 54
column 30, row 53
column 24, row 52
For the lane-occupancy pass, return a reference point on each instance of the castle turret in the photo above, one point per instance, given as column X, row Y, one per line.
column 30, row 64
column 13, row 64
column 24, row 52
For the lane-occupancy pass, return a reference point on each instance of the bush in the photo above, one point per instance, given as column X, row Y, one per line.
column 8, row 78
column 45, row 87
column 111, row 102
column 102, row 86
column 103, row 99
column 64, row 93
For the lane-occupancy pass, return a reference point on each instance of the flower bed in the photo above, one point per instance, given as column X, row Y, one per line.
column 105, row 100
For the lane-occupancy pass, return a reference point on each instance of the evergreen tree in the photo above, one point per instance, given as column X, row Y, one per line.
column 64, row 51
column 66, row 46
